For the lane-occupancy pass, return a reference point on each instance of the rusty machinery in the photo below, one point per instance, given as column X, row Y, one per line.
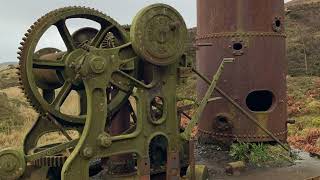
column 254, row 87
column 111, row 70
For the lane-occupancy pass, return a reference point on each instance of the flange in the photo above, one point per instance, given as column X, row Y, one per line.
column 201, row 172
column 158, row 34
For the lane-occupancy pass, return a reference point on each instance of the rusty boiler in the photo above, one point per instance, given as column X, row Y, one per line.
column 252, row 32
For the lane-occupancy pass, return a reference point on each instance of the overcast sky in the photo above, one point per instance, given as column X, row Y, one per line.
column 17, row 15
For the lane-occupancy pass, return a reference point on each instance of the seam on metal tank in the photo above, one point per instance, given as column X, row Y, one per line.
column 240, row 135
column 236, row 34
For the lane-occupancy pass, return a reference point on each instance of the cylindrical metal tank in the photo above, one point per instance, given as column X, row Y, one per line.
column 252, row 32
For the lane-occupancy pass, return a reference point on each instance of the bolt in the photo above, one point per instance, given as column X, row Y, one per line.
column 174, row 172
column 104, row 140
column 173, row 26
column 88, row 152
column 97, row 64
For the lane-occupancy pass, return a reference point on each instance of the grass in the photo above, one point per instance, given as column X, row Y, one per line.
column 17, row 116
column 303, row 103
column 302, row 30
column 304, row 107
column 260, row 155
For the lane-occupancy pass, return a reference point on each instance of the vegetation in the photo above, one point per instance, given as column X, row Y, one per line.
column 260, row 155
column 303, row 37
column 16, row 118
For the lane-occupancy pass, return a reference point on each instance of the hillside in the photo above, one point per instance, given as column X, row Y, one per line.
column 300, row 2
column 303, row 38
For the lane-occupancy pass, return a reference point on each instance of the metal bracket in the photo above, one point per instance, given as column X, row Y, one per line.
column 196, row 117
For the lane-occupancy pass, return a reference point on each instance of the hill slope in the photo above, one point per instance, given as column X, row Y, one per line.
column 303, row 38
column 300, row 2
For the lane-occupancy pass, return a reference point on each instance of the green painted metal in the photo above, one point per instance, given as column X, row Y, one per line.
column 91, row 67
column 158, row 34
column 12, row 164
column 195, row 119
column 200, row 173
column 65, row 64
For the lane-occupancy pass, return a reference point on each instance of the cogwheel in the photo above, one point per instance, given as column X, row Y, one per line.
column 29, row 64
column 50, row 161
column 109, row 41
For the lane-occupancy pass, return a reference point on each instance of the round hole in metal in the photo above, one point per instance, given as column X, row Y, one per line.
column 157, row 108
column 260, row 101
column 277, row 23
column 237, row 46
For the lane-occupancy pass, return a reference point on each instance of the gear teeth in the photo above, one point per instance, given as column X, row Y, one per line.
column 32, row 33
column 20, row 48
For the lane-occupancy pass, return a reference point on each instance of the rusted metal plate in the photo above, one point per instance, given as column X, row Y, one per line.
column 252, row 32
column 173, row 166
column 120, row 164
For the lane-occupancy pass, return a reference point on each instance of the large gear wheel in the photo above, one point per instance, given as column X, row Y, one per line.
column 50, row 72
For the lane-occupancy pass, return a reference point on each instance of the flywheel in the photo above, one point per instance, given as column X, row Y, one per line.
column 47, row 79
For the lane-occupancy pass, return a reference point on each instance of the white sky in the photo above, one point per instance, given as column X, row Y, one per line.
column 17, row 15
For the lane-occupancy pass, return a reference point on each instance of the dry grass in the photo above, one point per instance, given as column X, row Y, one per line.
column 14, row 92
column 18, row 121
column 13, row 135
column 299, row 2
column 72, row 104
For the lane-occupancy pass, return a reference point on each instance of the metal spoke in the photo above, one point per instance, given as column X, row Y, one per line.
column 60, row 127
column 62, row 95
column 65, row 34
column 128, row 64
column 48, row 95
column 82, row 102
column 45, row 64
column 100, row 35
